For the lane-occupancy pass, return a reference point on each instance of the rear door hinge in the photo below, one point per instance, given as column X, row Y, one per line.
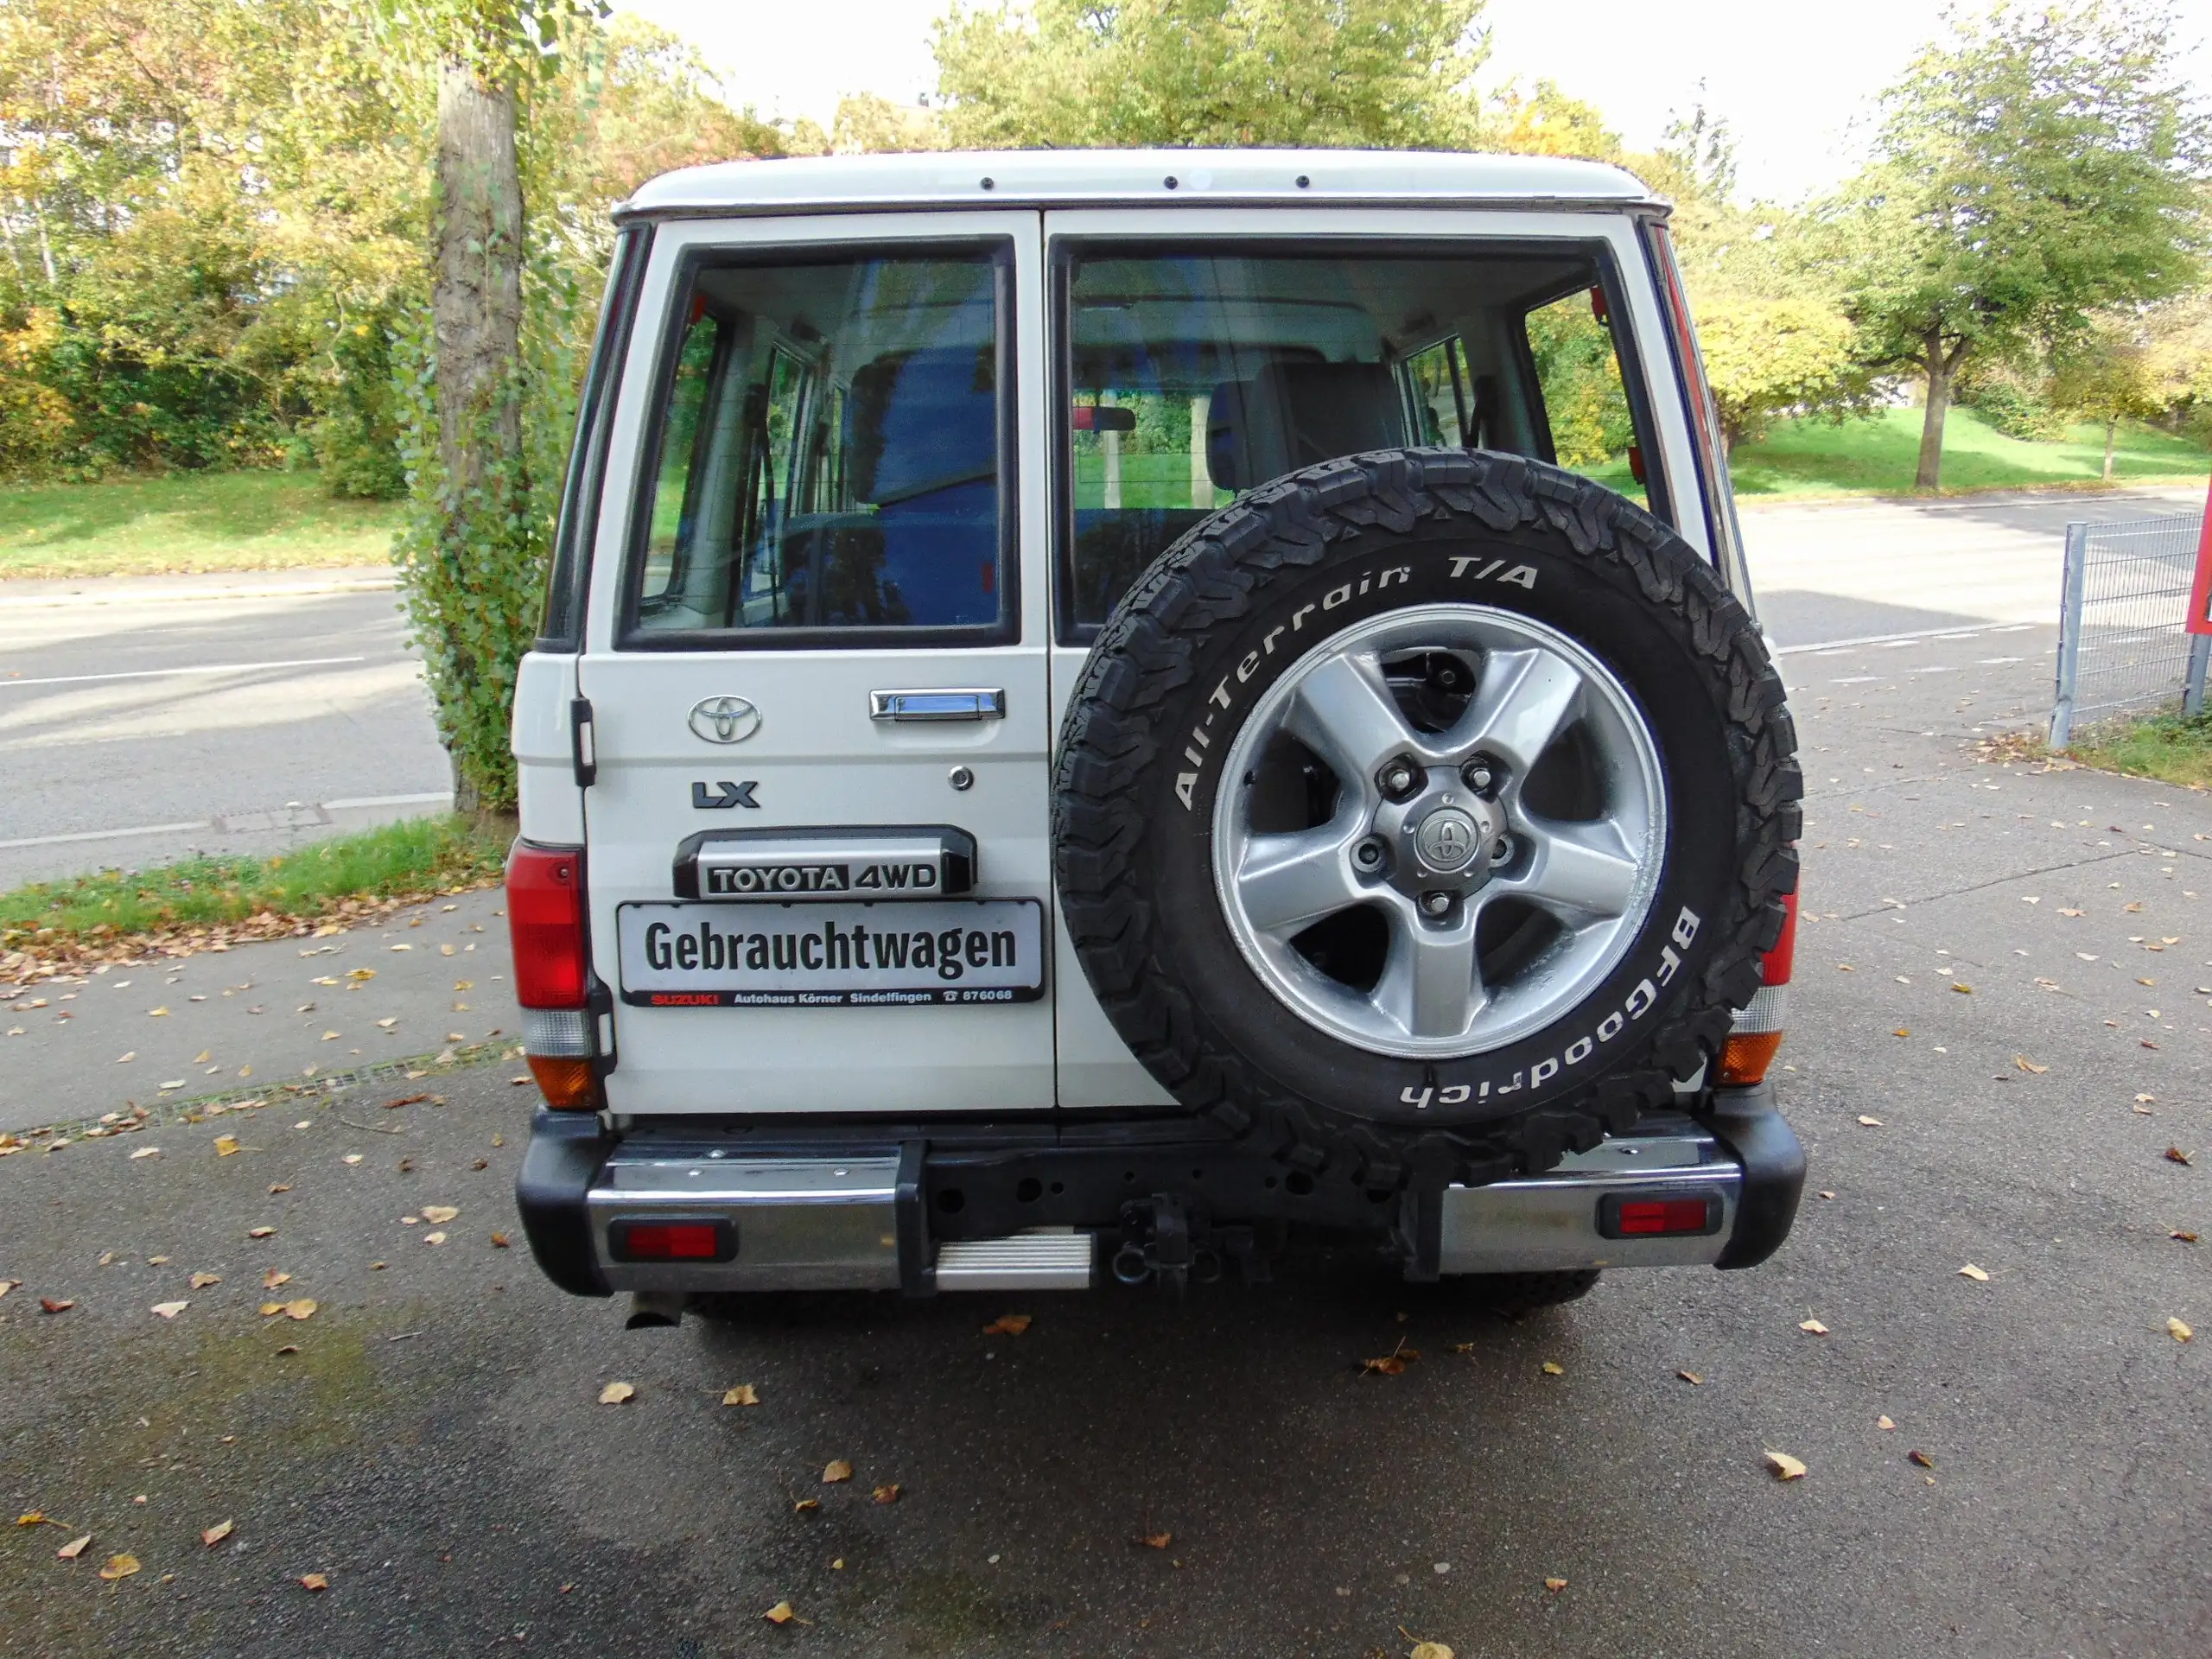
column 583, row 742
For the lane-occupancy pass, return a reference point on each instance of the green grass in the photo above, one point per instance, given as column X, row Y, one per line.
column 416, row 856
column 2167, row 748
column 1877, row 455
column 201, row 521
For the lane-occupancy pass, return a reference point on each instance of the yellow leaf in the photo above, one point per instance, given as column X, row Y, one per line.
column 1691, row 1376
column 1884, row 1421
column 1813, row 1326
column 270, row 1309
column 742, row 1394
column 1157, row 1540
column 1008, row 1325
column 361, row 973
column 615, row 1393
column 216, row 1534
column 74, row 1547
column 271, row 1279
column 1902, row 1030
column 804, row 1505
column 1920, row 1459
column 886, row 1494
column 1785, row 1467
column 313, row 1581
column 1972, row 1272
column 2027, row 1065
column 201, row 1280
column 226, row 1145
column 2177, row 1331
column 439, row 1214
column 781, row 1613
column 1554, row 1584
column 302, row 1309
column 119, row 1567
column 1963, row 989
column 836, row 1470
column 1434, row 1649
column 1553, row 1368
column 433, row 1238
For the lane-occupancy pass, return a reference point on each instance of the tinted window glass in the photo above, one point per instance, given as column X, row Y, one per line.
column 828, row 451
column 1195, row 375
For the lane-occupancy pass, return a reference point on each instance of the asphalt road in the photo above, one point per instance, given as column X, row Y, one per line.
column 1998, row 965
column 142, row 720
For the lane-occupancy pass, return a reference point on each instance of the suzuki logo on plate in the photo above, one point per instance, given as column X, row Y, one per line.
column 724, row 719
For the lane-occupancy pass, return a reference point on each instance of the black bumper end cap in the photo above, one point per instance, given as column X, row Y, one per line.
column 1747, row 1121
column 565, row 1152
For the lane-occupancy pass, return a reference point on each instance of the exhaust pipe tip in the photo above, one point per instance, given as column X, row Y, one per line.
column 656, row 1309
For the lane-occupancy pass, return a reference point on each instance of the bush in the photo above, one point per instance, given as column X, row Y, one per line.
column 2015, row 410
column 357, row 436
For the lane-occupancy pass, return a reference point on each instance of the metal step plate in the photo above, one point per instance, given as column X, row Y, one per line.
column 1050, row 1260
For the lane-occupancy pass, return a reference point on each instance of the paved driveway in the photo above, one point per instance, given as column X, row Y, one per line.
column 429, row 1440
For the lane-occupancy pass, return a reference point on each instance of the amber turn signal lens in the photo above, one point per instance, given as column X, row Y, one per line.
column 1743, row 1057
column 565, row 1082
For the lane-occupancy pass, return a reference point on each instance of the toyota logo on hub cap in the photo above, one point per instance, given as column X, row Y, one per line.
column 724, row 719
column 1445, row 839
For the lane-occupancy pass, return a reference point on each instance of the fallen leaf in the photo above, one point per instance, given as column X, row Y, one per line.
column 886, row 1494
column 74, row 1547
column 1553, row 1368
column 439, row 1214
column 1008, row 1325
column 2027, row 1065
column 742, row 1394
column 1692, row 1377
column 1813, row 1326
column 146, row 1151
column 1387, row 1366
column 1554, row 1584
column 1963, row 989
column 2177, row 1331
column 261, row 1233
column 53, row 1304
column 2176, row 1155
column 1460, row 1347
column 313, row 1581
column 352, row 1158
column 1784, row 1466
column 271, row 1279
column 201, row 1280
column 216, row 1534
column 1434, row 1650
column 269, row 1310
column 226, row 1145
column 2064, row 911
column 280, row 1186
column 1902, row 1030
column 1870, row 1122
column 170, row 1310
column 302, row 1309
column 433, row 1238
column 1972, row 1272
column 1156, row 1540
column 1883, row 1422
column 2185, row 1238
column 781, row 1613
column 836, row 1470
column 1920, row 1458
column 119, row 1567
column 499, row 1241
column 2146, row 1100
column 804, row 1505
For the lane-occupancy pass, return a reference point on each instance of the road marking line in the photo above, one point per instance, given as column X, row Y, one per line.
column 218, row 824
column 389, row 800
column 204, row 668
column 105, row 834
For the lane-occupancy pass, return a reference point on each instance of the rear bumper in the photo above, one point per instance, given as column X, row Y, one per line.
column 944, row 1207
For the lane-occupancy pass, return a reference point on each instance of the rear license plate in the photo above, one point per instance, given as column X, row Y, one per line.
column 831, row 955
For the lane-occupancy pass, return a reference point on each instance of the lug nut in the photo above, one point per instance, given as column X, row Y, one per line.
column 1435, row 904
column 1477, row 774
column 1367, row 855
column 1399, row 779
column 1501, row 849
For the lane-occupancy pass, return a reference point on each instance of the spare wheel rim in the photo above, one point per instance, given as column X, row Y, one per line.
column 1412, row 839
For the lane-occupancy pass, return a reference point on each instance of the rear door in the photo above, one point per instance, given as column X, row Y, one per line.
column 815, row 665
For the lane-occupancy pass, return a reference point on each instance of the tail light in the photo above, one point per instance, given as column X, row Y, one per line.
column 545, row 921
column 1752, row 1046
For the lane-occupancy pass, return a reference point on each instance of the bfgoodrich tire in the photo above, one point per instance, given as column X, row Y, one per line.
column 1412, row 726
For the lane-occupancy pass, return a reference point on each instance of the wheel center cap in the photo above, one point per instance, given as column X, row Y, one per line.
column 1447, row 840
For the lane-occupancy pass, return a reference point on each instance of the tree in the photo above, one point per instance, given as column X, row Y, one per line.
column 1390, row 74
column 2108, row 375
column 1765, row 357
column 2032, row 169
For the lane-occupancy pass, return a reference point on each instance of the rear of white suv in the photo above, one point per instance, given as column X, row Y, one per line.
column 871, row 452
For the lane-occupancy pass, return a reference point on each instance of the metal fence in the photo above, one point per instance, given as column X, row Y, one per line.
column 2123, row 645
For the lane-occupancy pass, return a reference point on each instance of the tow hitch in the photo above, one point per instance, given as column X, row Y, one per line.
column 1164, row 1239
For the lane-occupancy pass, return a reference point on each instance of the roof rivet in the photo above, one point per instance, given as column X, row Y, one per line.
column 989, row 183
column 1304, row 182
column 1169, row 180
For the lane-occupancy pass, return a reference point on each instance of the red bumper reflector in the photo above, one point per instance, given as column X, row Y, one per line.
column 1642, row 1216
column 671, row 1241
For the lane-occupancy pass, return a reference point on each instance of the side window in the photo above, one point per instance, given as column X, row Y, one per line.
column 829, row 454
column 1436, row 380
column 1578, row 377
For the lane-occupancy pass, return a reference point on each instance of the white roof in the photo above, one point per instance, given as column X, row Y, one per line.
column 1148, row 177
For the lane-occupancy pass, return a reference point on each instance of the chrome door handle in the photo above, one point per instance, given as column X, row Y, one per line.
column 966, row 703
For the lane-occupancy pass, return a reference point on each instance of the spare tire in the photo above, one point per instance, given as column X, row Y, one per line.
column 1425, row 814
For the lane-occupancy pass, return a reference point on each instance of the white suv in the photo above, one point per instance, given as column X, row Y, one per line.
column 1138, row 709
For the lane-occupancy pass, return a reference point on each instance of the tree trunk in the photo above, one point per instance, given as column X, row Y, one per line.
column 1930, row 474
column 2112, row 432
column 476, row 310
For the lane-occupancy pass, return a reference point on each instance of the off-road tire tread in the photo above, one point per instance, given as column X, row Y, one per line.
column 1147, row 650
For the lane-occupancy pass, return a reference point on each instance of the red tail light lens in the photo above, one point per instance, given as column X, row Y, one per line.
column 1662, row 1216
column 1774, row 966
column 671, row 1241
column 545, row 920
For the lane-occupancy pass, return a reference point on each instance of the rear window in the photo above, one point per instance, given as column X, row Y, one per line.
column 828, row 453
column 1194, row 375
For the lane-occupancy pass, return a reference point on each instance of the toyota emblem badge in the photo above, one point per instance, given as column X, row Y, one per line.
column 724, row 719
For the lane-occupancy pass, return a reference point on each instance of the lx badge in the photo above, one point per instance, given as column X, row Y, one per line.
column 730, row 795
